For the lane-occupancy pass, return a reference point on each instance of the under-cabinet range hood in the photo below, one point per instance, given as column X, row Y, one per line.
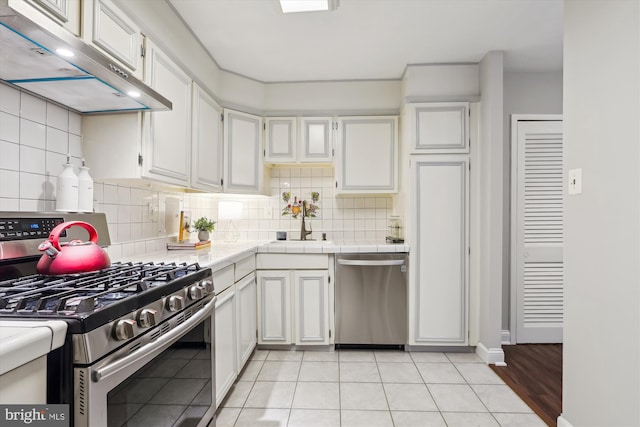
column 88, row 82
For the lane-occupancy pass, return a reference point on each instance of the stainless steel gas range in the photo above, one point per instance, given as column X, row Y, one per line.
column 139, row 346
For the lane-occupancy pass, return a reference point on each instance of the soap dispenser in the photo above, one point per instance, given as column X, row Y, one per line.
column 85, row 189
column 67, row 188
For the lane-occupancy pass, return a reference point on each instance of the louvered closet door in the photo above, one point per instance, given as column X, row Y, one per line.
column 539, row 268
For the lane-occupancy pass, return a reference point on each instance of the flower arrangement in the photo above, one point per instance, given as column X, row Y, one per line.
column 294, row 208
column 204, row 224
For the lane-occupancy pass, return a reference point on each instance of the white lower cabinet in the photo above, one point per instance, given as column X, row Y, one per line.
column 226, row 342
column 235, row 322
column 246, row 301
column 293, row 300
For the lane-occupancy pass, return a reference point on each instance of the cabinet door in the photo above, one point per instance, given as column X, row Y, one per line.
column 367, row 155
column 247, row 326
column 110, row 30
column 281, row 138
column 168, row 140
column 439, row 254
column 206, row 164
column 316, row 140
column 226, row 348
column 243, row 165
column 311, row 307
column 274, row 307
column 441, row 127
column 65, row 13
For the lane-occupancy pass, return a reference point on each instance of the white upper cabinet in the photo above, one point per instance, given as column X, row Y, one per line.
column 206, row 164
column 243, row 166
column 65, row 13
column 367, row 155
column 281, row 139
column 298, row 140
column 109, row 30
column 168, row 134
column 440, row 127
column 316, row 140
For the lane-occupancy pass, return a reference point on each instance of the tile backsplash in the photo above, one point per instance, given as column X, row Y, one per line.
column 36, row 136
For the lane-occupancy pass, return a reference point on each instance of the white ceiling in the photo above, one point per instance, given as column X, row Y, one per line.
column 373, row 39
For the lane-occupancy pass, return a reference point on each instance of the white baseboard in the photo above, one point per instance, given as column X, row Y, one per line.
column 562, row 422
column 506, row 337
column 491, row 356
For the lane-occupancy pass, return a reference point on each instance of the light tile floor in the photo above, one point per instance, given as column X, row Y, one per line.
column 369, row 389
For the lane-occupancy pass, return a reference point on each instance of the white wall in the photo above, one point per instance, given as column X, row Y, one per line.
column 524, row 93
column 601, row 369
column 491, row 207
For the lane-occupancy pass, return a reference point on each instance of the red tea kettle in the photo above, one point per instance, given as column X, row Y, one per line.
column 72, row 257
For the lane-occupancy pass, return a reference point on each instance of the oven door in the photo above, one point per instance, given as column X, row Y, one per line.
column 167, row 382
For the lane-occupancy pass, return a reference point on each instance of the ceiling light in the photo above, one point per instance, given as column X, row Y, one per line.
column 64, row 52
column 294, row 6
column 133, row 94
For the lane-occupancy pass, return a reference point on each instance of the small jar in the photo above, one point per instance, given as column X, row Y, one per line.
column 394, row 228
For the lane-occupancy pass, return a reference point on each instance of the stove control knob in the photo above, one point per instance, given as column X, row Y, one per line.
column 195, row 292
column 147, row 318
column 207, row 285
column 175, row 303
column 124, row 329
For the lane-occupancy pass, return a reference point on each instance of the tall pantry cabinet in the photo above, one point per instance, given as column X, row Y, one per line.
column 437, row 141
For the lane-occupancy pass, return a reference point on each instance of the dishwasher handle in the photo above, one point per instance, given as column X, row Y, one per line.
column 370, row 263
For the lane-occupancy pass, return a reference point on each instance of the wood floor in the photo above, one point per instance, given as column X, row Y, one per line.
column 534, row 372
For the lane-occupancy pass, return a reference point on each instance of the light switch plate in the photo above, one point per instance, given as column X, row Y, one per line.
column 575, row 181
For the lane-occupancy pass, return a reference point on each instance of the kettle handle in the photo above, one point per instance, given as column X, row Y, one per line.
column 58, row 229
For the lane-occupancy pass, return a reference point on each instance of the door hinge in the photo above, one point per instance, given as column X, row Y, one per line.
column 333, row 152
column 143, row 51
column 329, row 333
column 469, row 165
column 329, row 277
column 221, row 181
column 264, row 153
column 336, row 184
column 264, row 126
column 222, row 117
column 469, row 250
column 139, row 159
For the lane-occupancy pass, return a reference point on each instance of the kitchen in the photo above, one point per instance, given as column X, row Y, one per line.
column 134, row 213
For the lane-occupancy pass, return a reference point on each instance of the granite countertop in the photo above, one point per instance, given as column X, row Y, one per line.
column 22, row 341
column 221, row 254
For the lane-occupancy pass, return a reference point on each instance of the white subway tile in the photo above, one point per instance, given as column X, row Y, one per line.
column 32, row 205
column 32, row 160
column 33, row 134
column 9, row 99
column 111, row 212
column 57, row 117
column 124, row 232
column 9, row 127
column 124, row 214
column 124, row 195
column 9, row 184
column 9, row 155
column 35, row 186
column 75, row 146
column 33, row 108
column 9, row 204
column 54, row 163
column 110, row 194
column 57, row 140
column 75, row 123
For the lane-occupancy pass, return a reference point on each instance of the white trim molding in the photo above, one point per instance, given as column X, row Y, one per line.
column 506, row 337
column 562, row 422
column 491, row 356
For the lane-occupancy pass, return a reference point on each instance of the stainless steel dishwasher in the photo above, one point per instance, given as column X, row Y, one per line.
column 371, row 299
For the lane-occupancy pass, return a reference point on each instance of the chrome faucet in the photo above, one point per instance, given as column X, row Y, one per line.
column 303, row 229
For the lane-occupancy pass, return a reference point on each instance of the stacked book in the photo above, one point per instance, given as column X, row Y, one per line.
column 189, row 245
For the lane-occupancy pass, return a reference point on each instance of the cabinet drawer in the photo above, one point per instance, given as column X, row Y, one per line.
column 223, row 278
column 244, row 267
column 292, row 261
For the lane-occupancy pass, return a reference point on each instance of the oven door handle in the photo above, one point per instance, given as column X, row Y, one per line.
column 154, row 348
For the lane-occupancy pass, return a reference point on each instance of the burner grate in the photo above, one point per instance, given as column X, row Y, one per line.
column 87, row 292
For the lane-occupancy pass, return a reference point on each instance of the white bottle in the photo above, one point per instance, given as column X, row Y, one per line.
column 67, row 189
column 85, row 190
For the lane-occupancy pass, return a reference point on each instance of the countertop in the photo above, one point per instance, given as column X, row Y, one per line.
column 221, row 254
column 22, row 341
